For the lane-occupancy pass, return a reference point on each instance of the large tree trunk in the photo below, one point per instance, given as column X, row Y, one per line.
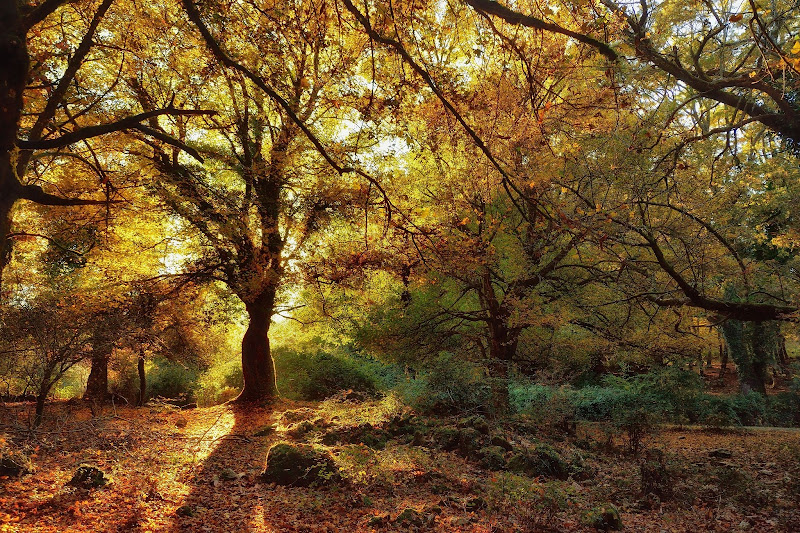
column 97, row 384
column 13, row 77
column 258, row 369
column 503, row 343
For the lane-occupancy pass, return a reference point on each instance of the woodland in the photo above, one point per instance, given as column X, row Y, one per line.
column 368, row 265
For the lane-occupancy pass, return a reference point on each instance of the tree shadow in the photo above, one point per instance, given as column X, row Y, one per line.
column 225, row 492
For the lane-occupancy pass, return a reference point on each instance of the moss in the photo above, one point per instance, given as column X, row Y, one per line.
column 605, row 518
column 492, row 457
column 445, row 438
column 542, row 460
column 88, row 477
column 409, row 517
column 299, row 465
column 476, row 422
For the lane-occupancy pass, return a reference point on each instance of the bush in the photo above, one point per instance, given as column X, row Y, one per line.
column 220, row 383
column 171, row 380
column 448, row 386
column 316, row 376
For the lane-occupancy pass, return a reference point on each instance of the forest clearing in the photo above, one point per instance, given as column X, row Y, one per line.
column 200, row 470
column 399, row 265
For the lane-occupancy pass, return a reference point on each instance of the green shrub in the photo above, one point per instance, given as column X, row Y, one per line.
column 316, row 376
column 171, row 380
column 783, row 409
column 448, row 386
column 750, row 408
column 220, row 383
column 525, row 397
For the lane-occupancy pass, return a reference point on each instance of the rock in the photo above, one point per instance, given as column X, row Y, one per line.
column 493, row 457
column 720, row 453
column 476, row 422
column 605, row 518
column 299, row 465
column 650, row 502
column 301, row 429
column 475, row 504
column 13, row 464
column 378, row 520
column 542, row 460
column 296, row 415
column 88, row 477
column 185, row 511
column 469, row 441
column 409, row 517
column 229, row 474
column 499, row 440
column 445, row 438
column 267, row 430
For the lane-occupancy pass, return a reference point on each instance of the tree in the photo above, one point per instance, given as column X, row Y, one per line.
column 52, row 103
column 264, row 189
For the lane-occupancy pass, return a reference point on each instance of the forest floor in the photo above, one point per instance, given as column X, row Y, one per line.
column 199, row 470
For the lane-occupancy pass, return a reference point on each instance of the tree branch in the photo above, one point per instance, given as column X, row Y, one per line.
column 133, row 122
column 518, row 19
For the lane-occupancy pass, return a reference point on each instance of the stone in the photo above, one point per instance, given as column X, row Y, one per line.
column 492, row 457
column 409, row 517
column 604, row 518
column 720, row 453
column 265, row 431
column 445, row 438
column 475, row 504
column 13, row 464
column 378, row 520
column 88, row 477
column 296, row 415
column 542, row 460
column 499, row 440
column 300, row 466
column 476, row 422
column 185, row 511
column 229, row 474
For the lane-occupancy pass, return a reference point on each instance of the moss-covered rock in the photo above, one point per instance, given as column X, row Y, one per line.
column 13, row 464
column 475, row 504
column 492, row 457
column 300, row 466
column 409, row 517
column 541, row 460
column 366, row 434
column 605, row 518
column 445, row 438
column 469, row 441
column 296, row 415
column 476, row 422
column 301, row 429
column 88, row 477
column 499, row 440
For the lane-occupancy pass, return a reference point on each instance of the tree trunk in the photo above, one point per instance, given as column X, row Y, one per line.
column 142, row 381
column 9, row 194
column 258, row 369
column 40, row 399
column 97, row 384
column 13, row 77
column 503, row 343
